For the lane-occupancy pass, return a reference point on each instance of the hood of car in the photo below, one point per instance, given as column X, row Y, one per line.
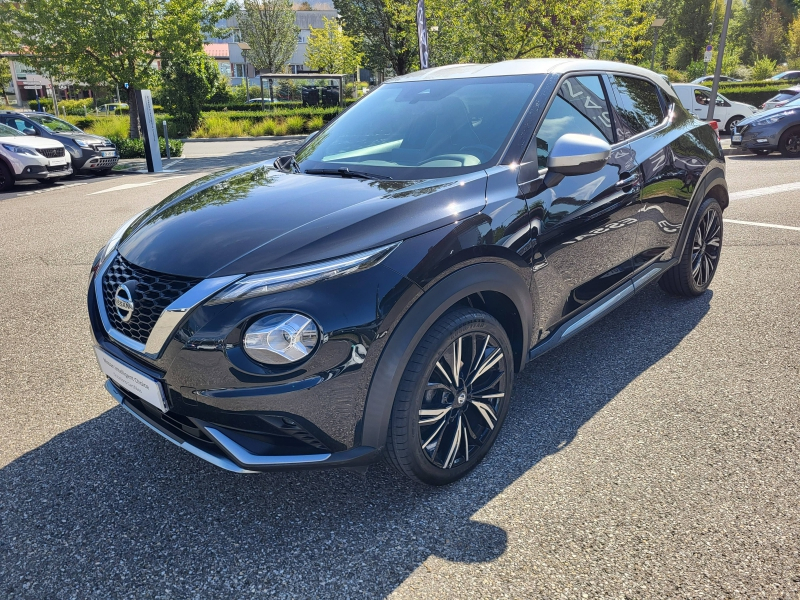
column 768, row 113
column 257, row 219
column 80, row 135
column 30, row 141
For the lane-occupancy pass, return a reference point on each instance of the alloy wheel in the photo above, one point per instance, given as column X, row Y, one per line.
column 793, row 143
column 462, row 400
column 706, row 248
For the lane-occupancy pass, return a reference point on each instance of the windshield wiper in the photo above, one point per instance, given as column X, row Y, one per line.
column 345, row 172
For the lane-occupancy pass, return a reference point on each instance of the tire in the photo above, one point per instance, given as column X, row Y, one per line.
column 698, row 265
column 6, row 178
column 460, row 423
column 732, row 121
column 789, row 145
column 761, row 152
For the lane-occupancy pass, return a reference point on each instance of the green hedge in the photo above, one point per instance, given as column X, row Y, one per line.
column 750, row 95
column 244, row 107
column 306, row 113
column 129, row 148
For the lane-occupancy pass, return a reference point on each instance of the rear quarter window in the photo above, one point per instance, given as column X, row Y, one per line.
column 638, row 105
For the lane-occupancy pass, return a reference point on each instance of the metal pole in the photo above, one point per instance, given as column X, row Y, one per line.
column 246, row 77
column 166, row 139
column 262, row 92
column 711, row 33
column 655, row 43
column 718, row 70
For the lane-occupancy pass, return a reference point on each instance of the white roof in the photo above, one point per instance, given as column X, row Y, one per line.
column 528, row 66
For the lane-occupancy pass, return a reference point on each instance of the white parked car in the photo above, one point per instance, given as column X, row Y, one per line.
column 695, row 98
column 30, row 157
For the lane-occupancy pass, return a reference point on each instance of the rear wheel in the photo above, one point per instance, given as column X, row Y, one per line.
column 452, row 399
column 693, row 274
column 6, row 178
column 790, row 142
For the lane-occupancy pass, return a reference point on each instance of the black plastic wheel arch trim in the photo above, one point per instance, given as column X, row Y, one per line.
column 419, row 318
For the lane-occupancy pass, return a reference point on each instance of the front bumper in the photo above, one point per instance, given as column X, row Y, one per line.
column 755, row 138
column 95, row 161
column 217, row 445
column 44, row 172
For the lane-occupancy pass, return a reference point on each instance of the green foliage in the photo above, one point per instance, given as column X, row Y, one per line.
column 108, row 41
column 675, row 76
column 763, row 68
column 188, row 81
column 252, row 107
column 695, row 70
column 295, row 124
column 330, row 50
column 268, row 26
column 769, row 38
column 222, row 125
column 129, row 148
column 752, row 95
column 5, row 76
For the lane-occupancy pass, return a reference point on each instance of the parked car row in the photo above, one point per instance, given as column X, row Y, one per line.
column 35, row 145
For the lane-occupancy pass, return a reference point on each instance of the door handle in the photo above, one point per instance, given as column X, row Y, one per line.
column 628, row 181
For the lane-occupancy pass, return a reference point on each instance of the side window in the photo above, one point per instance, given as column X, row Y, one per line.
column 638, row 106
column 701, row 97
column 580, row 106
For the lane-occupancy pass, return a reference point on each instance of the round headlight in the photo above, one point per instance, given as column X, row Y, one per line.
column 281, row 338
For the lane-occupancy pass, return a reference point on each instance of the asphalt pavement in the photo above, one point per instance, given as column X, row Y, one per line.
column 654, row 455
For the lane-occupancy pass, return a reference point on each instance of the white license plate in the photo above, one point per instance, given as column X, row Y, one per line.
column 736, row 138
column 108, row 153
column 137, row 383
column 54, row 162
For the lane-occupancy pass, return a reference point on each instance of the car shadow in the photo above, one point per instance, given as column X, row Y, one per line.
column 108, row 509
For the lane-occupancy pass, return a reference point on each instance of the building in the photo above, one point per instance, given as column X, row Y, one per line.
column 229, row 56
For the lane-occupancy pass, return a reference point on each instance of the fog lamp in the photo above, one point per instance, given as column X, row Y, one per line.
column 281, row 338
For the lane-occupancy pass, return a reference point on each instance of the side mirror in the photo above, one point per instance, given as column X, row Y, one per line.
column 575, row 154
column 286, row 164
column 29, row 131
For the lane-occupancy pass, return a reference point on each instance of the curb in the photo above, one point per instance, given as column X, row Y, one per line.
column 244, row 139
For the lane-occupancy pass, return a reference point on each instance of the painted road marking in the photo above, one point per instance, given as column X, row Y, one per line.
column 765, row 191
column 761, row 224
column 127, row 186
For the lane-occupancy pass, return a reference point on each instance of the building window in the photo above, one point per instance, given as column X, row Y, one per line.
column 236, row 36
column 238, row 69
column 225, row 69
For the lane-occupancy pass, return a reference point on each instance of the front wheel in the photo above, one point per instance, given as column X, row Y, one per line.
column 6, row 178
column 790, row 143
column 700, row 258
column 732, row 122
column 452, row 399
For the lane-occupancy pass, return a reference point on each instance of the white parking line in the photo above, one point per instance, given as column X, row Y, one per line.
column 765, row 191
column 761, row 224
column 127, row 186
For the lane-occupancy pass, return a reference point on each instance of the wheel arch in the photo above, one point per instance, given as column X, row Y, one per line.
column 492, row 287
column 712, row 184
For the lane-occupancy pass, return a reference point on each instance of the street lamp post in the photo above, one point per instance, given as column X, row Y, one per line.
column 720, row 53
column 657, row 24
column 245, row 48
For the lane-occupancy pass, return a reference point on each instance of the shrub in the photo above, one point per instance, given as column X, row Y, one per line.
column 216, row 126
column 675, row 76
column 750, row 95
column 763, row 68
column 314, row 123
column 280, row 129
column 265, row 127
column 108, row 126
column 295, row 124
column 129, row 148
column 695, row 70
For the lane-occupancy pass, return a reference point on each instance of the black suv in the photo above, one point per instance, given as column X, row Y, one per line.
column 90, row 153
column 377, row 291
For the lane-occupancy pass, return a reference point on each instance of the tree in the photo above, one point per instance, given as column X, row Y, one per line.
column 330, row 50
column 386, row 30
column 188, row 82
column 268, row 26
column 108, row 41
column 5, row 76
column 770, row 36
column 305, row 6
column 794, row 39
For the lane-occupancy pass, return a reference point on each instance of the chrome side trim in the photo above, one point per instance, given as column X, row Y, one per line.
column 248, row 459
column 168, row 321
column 643, row 279
column 172, row 316
column 218, row 461
column 599, row 310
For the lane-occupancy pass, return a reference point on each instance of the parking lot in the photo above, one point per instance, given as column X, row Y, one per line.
column 655, row 455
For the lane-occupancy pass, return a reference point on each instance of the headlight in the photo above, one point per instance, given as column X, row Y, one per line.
column 773, row 118
column 20, row 150
column 82, row 143
column 281, row 338
column 280, row 281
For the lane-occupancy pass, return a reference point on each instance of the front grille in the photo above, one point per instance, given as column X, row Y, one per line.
column 152, row 293
column 107, row 162
column 51, row 152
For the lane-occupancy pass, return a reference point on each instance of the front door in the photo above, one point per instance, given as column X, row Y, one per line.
column 584, row 228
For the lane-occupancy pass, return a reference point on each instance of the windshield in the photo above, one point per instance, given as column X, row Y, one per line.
column 52, row 124
column 424, row 129
column 5, row 130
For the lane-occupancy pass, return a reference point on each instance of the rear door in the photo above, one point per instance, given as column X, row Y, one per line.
column 584, row 227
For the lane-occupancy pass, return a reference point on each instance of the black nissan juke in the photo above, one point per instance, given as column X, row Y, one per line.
column 376, row 292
